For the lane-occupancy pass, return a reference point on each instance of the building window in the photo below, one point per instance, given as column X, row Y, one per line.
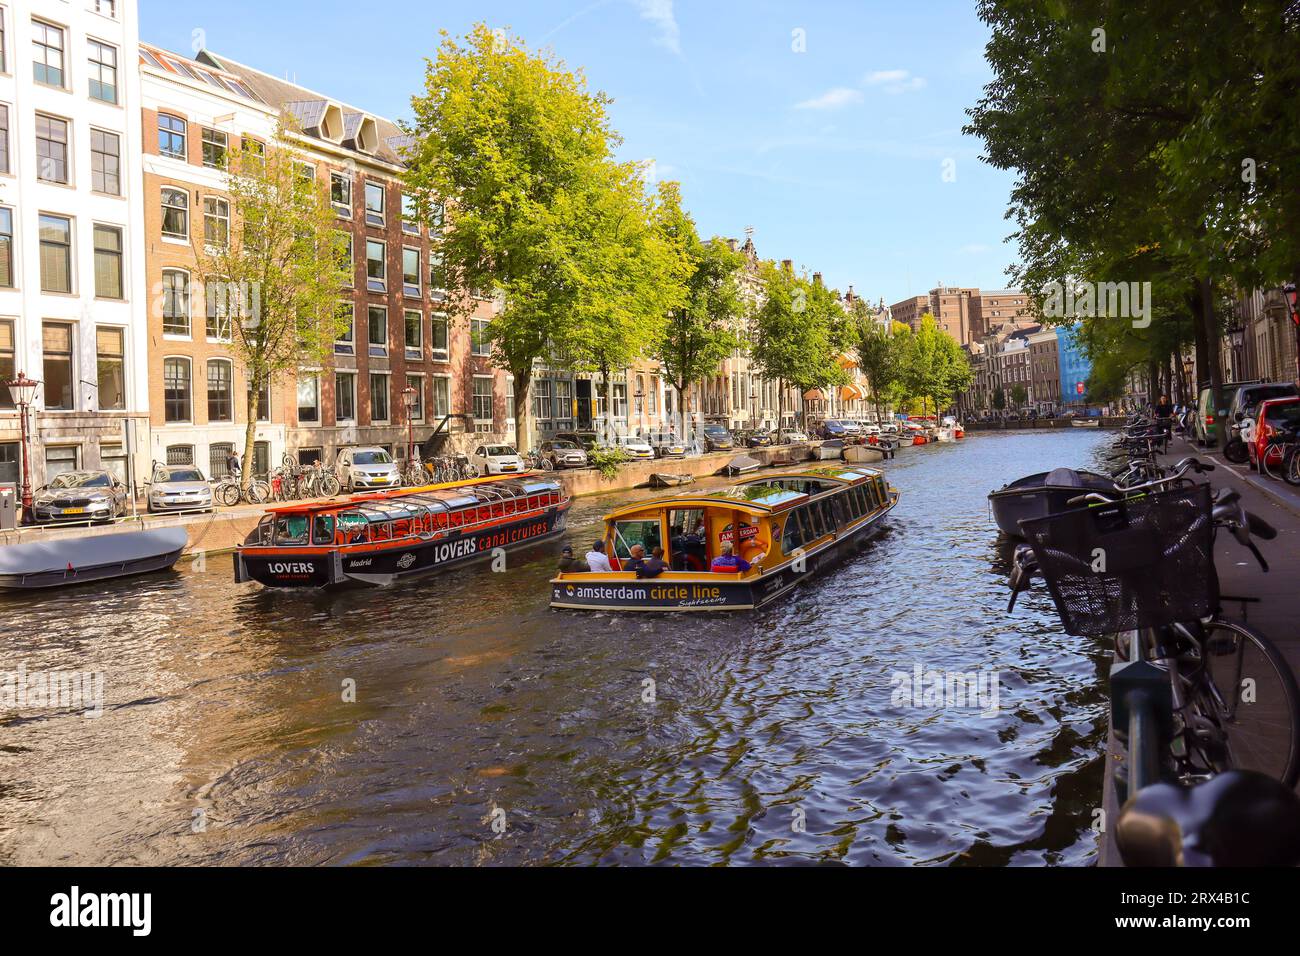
column 254, row 150
column 51, row 149
column 416, row 382
column 438, row 336
column 542, row 399
column 410, row 221
column 341, row 193
column 175, row 214
column 56, row 253
column 309, row 399
column 220, row 398
column 345, row 397
column 108, row 261
column 215, row 143
column 345, row 344
column 176, row 302
column 378, row 397
column 564, row 401
column 482, row 403
column 102, row 71
column 110, row 361
column 218, row 309
column 414, row 333
column 107, row 8
column 171, row 136
column 437, row 215
column 217, row 453
column 180, row 454
column 377, row 329
column 4, row 136
column 436, row 279
column 263, row 403
column 176, row 390
column 105, row 162
column 47, row 54
column 4, row 52
column 216, row 222
column 7, row 364
column 374, row 204
column 376, row 266
column 60, row 459
column 306, row 172
column 480, row 342
column 411, row 272
column 56, row 346
column 441, row 397
column 6, row 247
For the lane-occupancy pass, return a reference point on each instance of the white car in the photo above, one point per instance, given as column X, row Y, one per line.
column 366, row 469
column 636, row 448
column 497, row 460
column 789, row 436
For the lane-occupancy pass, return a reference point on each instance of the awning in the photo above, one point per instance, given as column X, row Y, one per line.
column 815, row 395
column 852, row 392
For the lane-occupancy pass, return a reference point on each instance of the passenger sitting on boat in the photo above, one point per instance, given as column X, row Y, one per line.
column 569, row 563
column 728, row 562
column 653, row 566
column 596, row 559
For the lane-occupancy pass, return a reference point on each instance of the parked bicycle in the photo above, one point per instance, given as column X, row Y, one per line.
column 536, row 461
column 229, row 493
column 1207, row 706
column 414, row 472
column 1281, row 457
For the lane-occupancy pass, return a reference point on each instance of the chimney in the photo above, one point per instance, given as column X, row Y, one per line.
column 787, row 265
column 817, row 279
column 732, row 244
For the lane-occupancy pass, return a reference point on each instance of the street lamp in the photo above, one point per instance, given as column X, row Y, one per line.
column 22, row 391
column 408, row 400
column 1236, row 338
column 1189, row 366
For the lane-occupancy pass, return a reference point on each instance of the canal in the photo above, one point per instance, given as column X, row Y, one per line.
column 458, row 720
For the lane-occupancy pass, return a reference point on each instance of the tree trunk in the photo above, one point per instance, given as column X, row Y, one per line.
column 609, row 403
column 1205, row 290
column 681, row 408
column 250, row 438
column 523, row 409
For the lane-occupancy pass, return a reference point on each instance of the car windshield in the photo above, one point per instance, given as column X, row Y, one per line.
column 495, row 451
column 714, row 430
column 379, row 457
column 183, row 474
column 564, row 446
column 1251, row 397
column 83, row 480
column 1288, row 412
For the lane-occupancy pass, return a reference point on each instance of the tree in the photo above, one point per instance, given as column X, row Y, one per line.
column 799, row 333
column 518, row 150
column 273, row 276
column 999, row 399
column 936, row 367
column 1018, row 395
column 883, row 354
column 702, row 331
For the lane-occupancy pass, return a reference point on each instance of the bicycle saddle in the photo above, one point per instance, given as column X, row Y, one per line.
column 1238, row 818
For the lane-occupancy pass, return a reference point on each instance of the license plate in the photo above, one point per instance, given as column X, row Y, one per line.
column 380, row 481
column 74, row 511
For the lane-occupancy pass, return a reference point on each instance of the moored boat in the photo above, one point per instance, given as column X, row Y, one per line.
column 867, row 454
column 1042, row 494
column 1085, row 423
column 96, row 557
column 664, row 480
column 786, row 526
column 376, row 539
column 830, row 450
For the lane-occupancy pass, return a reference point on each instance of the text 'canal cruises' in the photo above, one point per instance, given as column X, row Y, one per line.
column 733, row 549
column 375, row 539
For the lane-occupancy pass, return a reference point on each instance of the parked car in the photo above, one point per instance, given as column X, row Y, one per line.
column 636, row 448
column 366, row 468
column 753, row 438
column 1203, row 422
column 717, row 438
column 832, row 428
column 788, row 436
column 178, row 488
column 586, row 440
column 1246, row 398
column 668, row 446
column 1273, row 414
column 80, row 496
column 497, row 460
column 563, row 454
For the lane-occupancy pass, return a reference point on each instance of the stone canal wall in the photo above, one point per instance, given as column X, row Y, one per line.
column 1109, row 421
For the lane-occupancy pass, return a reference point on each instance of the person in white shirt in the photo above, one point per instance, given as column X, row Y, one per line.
column 596, row 559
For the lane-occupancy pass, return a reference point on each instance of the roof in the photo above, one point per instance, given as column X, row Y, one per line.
column 752, row 496
column 210, row 73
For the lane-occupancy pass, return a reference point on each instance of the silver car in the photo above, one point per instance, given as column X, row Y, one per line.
column 367, row 469
column 179, row 488
column 80, row 496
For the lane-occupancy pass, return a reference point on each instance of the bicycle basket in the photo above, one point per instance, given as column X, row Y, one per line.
column 1141, row 562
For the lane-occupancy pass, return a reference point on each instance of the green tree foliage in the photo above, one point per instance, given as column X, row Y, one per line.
column 273, row 279
column 883, row 355
column 937, row 369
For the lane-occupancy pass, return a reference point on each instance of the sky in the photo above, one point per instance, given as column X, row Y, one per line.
column 831, row 127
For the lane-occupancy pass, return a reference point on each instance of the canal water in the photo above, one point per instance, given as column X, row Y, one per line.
column 487, row 729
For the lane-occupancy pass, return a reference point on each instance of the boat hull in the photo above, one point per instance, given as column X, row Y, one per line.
column 704, row 591
column 333, row 567
column 85, row 560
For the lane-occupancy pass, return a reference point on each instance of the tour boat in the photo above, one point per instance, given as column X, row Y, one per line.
column 1042, row 494
column 377, row 538
column 787, row 526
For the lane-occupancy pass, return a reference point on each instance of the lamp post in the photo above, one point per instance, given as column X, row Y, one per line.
column 408, row 400
column 23, row 392
column 1189, row 386
column 1289, row 295
column 1236, row 338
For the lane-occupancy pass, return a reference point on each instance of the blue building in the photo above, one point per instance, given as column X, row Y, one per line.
column 1075, row 367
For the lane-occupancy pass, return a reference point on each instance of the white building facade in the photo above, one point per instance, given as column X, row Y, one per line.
column 73, row 303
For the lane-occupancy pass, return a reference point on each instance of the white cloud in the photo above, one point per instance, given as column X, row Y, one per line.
column 660, row 13
column 834, row 99
column 895, row 81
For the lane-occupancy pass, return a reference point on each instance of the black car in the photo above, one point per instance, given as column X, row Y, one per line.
column 586, row 440
column 717, row 438
column 753, row 439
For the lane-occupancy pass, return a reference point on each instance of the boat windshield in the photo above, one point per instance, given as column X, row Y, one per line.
column 291, row 529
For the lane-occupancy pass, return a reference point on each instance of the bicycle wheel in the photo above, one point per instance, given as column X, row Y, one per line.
column 329, row 485
column 1247, row 692
column 1235, row 451
column 228, row 494
column 1267, row 466
column 1291, row 466
column 258, row 492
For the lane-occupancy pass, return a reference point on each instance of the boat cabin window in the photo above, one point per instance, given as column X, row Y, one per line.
column 842, row 508
column 353, row 528
column 291, row 529
column 322, row 529
column 881, row 491
column 644, row 532
column 687, row 548
column 792, row 537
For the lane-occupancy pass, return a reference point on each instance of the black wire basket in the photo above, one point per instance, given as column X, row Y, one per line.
column 1142, row 562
